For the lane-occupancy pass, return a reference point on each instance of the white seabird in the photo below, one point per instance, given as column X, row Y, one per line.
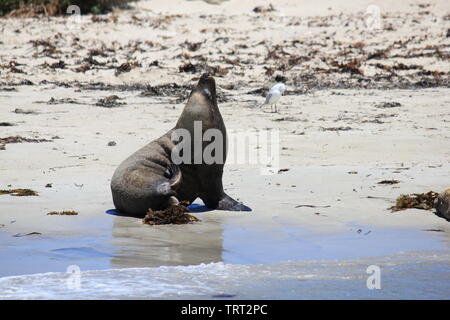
column 274, row 95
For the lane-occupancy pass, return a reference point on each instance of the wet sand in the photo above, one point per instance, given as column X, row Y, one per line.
column 338, row 139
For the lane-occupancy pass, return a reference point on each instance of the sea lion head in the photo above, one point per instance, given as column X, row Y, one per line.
column 202, row 106
column 206, row 87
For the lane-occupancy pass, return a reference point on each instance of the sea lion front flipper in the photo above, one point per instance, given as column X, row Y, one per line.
column 229, row 204
column 173, row 173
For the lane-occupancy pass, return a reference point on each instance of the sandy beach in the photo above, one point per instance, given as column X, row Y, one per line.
column 362, row 105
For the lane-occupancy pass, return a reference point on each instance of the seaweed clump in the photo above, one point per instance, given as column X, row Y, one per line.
column 19, row 192
column 18, row 139
column 62, row 213
column 109, row 102
column 424, row 201
column 175, row 214
column 393, row 181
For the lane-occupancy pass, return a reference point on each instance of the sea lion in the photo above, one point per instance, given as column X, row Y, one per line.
column 442, row 204
column 149, row 178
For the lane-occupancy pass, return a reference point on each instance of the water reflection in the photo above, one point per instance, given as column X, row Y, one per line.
column 139, row 245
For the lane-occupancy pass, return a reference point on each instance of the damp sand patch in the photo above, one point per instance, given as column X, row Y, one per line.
column 175, row 214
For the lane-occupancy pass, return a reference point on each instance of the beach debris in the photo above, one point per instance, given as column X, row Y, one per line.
column 263, row 9
column 83, row 68
column 333, row 64
column 168, row 89
column 12, row 67
column 23, row 111
column 62, row 100
column 392, row 181
column 320, row 214
column 188, row 67
column 283, row 170
column 111, row 144
column 19, row 139
column 424, row 201
column 109, row 102
column 260, row 92
column 191, row 46
column 58, row 65
column 388, row 105
column 49, row 49
column 62, row 213
column 8, row 89
column 434, row 230
column 6, row 124
column 382, row 198
column 126, row 67
column 359, row 231
column 352, row 172
column 442, row 204
column 215, row 71
column 17, row 235
column 286, row 119
column 336, row 128
column 175, row 214
column 19, row 192
column 353, row 66
column 49, row 185
column 311, row 206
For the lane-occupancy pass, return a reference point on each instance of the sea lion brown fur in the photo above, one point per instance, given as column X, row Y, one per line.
column 149, row 178
column 442, row 204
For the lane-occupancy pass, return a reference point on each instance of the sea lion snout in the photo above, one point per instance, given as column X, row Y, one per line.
column 207, row 86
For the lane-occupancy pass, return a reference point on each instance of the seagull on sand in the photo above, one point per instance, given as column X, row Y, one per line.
column 274, row 95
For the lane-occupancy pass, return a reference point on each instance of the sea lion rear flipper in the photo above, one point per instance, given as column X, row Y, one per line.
column 173, row 173
column 229, row 204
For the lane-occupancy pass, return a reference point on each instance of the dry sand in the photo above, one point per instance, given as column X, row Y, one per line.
column 336, row 138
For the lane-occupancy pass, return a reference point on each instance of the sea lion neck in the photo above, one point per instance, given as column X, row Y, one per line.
column 202, row 105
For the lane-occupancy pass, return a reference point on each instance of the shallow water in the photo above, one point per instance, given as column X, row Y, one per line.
column 413, row 275
column 267, row 262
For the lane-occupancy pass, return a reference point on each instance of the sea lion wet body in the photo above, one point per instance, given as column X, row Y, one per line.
column 150, row 179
